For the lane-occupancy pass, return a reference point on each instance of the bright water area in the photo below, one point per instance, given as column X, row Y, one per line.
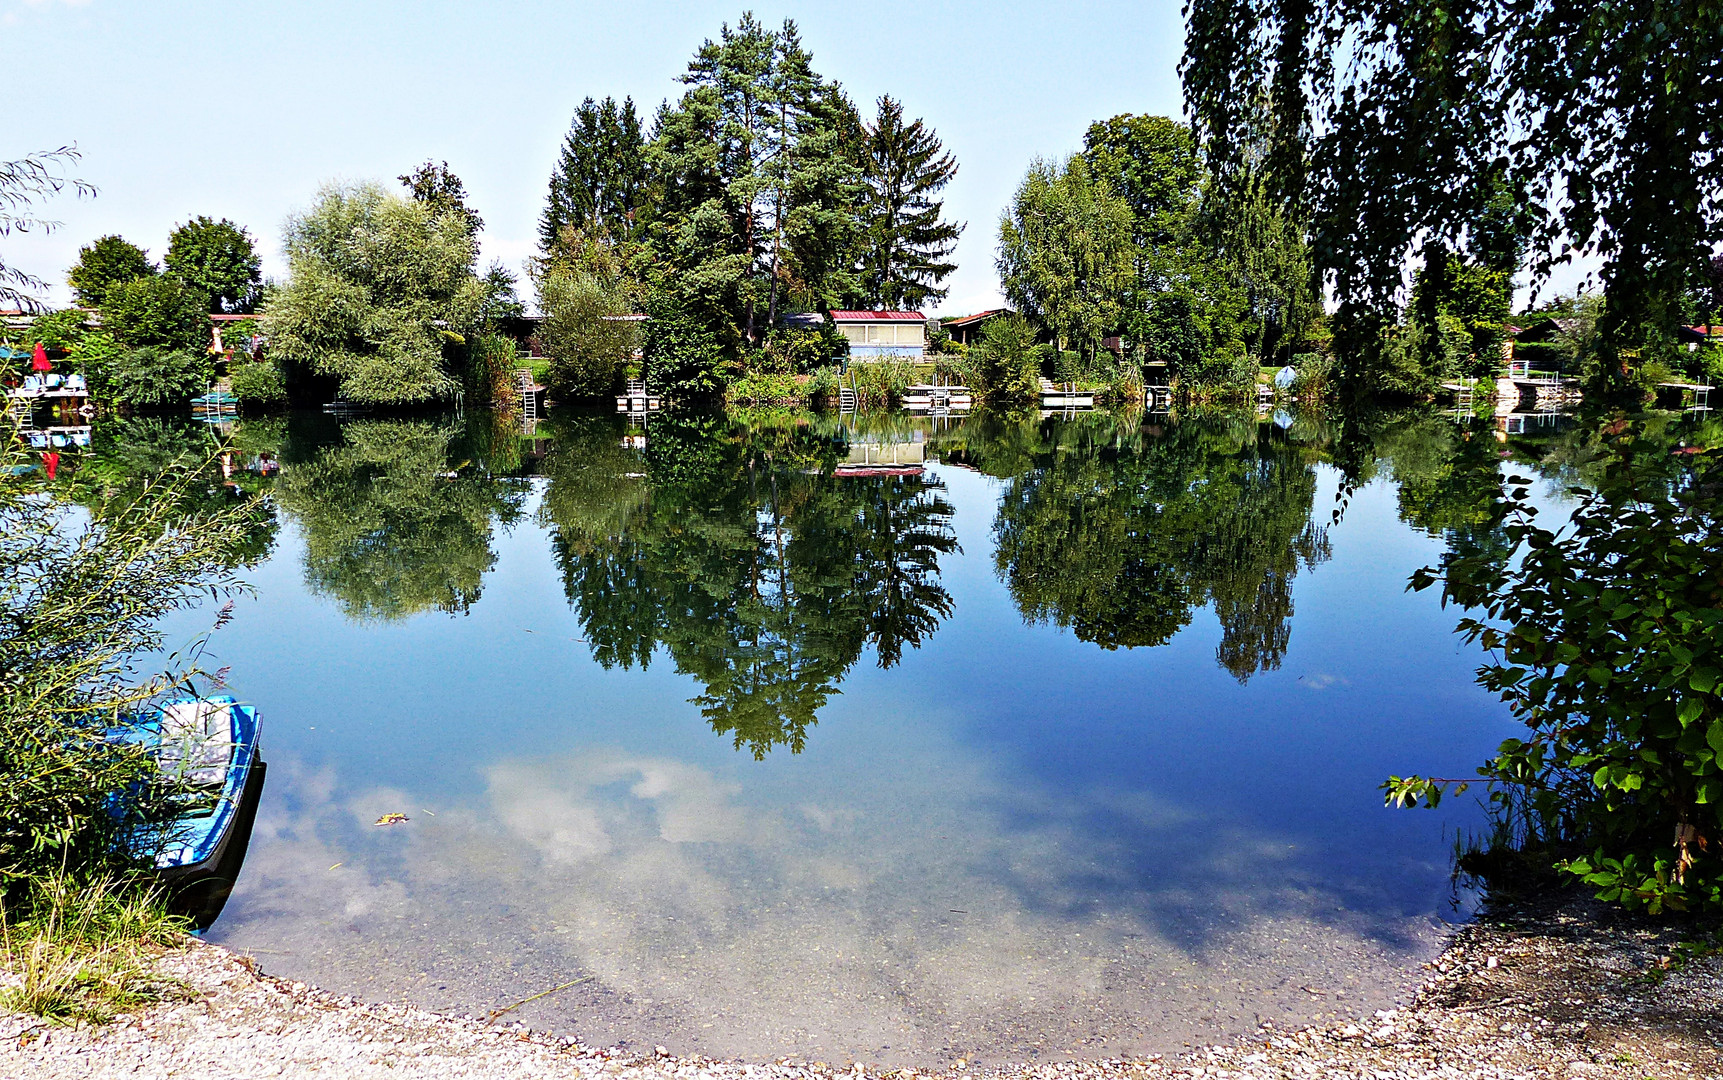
column 876, row 739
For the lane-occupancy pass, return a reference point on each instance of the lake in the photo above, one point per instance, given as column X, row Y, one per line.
column 861, row 739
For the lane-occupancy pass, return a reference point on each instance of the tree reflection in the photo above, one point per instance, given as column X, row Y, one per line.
column 731, row 543
column 129, row 458
column 396, row 514
column 1120, row 534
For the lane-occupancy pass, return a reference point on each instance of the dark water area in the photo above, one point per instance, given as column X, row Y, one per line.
column 879, row 738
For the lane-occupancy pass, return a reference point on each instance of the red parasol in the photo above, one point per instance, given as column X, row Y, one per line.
column 40, row 361
column 51, row 460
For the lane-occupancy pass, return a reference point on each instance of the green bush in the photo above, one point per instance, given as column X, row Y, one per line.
column 764, row 388
column 492, row 360
column 258, row 383
column 823, row 382
column 1605, row 641
column 157, row 311
column 58, row 331
column 683, row 356
column 798, row 351
column 1005, row 362
column 157, row 377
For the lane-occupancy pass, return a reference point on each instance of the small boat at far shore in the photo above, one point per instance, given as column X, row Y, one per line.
column 208, row 749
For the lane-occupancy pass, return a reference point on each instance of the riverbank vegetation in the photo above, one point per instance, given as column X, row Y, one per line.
column 87, row 570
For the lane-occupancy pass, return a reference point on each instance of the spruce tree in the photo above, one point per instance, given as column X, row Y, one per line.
column 907, row 244
column 600, row 179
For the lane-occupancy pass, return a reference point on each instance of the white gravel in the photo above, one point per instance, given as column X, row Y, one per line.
column 1572, row 994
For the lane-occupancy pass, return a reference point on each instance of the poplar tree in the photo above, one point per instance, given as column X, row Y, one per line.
column 907, row 243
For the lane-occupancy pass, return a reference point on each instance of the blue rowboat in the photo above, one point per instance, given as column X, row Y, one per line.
column 206, row 748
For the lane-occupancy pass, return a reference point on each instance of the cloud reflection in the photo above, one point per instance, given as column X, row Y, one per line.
column 927, row 909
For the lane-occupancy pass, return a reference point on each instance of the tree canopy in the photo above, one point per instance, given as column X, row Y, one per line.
column 1065, row 252
column 600, row 177
column 105, row 263
column 219, row 260
column 1394, row 127
column 382, row 290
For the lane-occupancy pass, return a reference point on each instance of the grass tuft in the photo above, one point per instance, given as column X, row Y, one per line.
column 83, row 951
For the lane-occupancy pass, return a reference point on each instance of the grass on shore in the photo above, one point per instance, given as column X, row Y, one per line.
column 83, row 951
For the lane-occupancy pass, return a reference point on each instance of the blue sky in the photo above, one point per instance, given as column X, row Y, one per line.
column 242, row 110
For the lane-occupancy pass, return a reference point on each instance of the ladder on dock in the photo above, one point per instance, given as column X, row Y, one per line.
column 528, row 394
column 846, row 399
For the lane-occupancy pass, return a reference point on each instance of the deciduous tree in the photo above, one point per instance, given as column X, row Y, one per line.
column 108, row 262
column 218, row 259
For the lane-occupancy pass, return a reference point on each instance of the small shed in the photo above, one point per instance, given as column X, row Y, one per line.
column 966, row 329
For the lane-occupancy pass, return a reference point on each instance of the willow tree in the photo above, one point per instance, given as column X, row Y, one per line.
column 382, row 287
column 1392, row 126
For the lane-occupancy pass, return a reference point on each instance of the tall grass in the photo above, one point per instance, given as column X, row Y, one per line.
column 84, row 951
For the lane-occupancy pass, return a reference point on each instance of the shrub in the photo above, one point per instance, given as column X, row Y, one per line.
column 492, row 360
column 683, row 356
column 157, row 311
column 84, row 598
column 58, row 331
column 258, row 383
column 156, row 377
column 1606, row 644
column 797, row 350
column 1004, row 362
column 823, row 382
column 763, row 388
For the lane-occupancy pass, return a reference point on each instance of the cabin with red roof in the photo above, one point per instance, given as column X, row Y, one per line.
column 883, row 335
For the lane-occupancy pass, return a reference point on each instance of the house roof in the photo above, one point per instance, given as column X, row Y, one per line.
column 980, row 316
column 878, row 316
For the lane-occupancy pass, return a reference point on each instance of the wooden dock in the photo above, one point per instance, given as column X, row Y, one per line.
column 1065, row 397
column 635, row 399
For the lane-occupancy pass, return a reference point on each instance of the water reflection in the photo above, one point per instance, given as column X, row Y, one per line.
column 744, row 553
column 1121, row 533
column 976, row 853
column 397, row 515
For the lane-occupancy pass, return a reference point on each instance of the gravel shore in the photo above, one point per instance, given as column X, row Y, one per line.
column 1571, row 991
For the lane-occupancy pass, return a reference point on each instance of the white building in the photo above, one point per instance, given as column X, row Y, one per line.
column 883, row 335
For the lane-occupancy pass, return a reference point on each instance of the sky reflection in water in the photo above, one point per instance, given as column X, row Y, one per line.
column 1068, row 746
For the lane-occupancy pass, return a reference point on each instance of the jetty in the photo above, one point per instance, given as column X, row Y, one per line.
column 929, row 397
column 1065, row 397
column 634, row 398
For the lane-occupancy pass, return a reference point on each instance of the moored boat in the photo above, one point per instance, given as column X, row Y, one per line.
column 208, row 749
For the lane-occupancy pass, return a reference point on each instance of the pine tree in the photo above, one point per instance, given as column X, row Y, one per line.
column 600, row 179
column 906, row 242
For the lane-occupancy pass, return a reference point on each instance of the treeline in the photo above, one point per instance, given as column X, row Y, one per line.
column 1130, row 260
column 141, row 333
column 1123, row 265
column 761, row 191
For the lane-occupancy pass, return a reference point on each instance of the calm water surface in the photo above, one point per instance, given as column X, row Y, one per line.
column 884, row 740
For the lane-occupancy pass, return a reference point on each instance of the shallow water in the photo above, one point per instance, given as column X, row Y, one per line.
column 1067, row 745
